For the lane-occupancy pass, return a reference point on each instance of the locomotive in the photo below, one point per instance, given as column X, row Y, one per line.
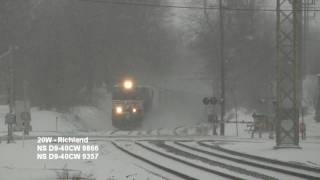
column 130, row 104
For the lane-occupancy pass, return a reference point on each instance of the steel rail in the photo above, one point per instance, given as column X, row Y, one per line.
column 259, row 158
column 222, row 174
column 250, row 163
column 171, row 171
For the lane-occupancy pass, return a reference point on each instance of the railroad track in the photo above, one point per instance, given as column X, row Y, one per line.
column 236, row 171
column 264, row 164
column 186, row 153
column 259, row 158
column 164, row 168
column 193, row 164
column 179, row 163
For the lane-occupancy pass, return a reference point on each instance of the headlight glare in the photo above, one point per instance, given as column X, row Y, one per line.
column 128, row 84
column 119, row 110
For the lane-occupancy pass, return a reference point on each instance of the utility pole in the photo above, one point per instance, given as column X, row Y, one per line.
column 222, row 69
column 10, row 76
column 11, row 98
column 26, row 118
column 289, row 26
column 11, row 85
column 10, row 117
column 317, row 117
column 56, row 124
column 305, row 33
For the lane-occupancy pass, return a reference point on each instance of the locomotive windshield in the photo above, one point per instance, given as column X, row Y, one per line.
column 119, row 93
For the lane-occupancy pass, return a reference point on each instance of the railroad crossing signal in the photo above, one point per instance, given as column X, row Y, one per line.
column 23, row 119
column 10, row 119
column 26, row 118
column 209, row 100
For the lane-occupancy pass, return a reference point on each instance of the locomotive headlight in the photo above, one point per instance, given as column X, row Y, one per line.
column 128, row 84
column 119, row 110
column 134, row 110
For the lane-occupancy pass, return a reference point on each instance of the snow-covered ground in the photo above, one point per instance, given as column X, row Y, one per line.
column 42, row 120
column 19, row 162
column 308, row 154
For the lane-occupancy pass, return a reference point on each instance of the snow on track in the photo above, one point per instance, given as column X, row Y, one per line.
column 264, row 168
column 218, row 170
column 272, row 162
column 115, row 164
column 186, row 171
column 111, row 164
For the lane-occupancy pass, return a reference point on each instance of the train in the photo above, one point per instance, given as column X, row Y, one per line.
column 130, row 104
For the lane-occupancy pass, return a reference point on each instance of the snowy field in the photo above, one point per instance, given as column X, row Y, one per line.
column 21, row 163
column 308, row 154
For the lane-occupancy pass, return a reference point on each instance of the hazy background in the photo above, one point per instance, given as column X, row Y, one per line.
column 72, row 52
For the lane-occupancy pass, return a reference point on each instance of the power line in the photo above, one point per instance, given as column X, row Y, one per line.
column 123, row 3
column 149, row 4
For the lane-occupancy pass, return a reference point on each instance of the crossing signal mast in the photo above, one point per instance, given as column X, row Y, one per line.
column 10, row 118
column 289, row 23
column 317, row 117
column 289, row 70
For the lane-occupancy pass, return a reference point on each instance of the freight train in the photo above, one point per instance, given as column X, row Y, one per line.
column 130, row 104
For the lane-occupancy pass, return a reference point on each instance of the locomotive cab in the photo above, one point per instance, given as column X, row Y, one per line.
column 130, row 104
